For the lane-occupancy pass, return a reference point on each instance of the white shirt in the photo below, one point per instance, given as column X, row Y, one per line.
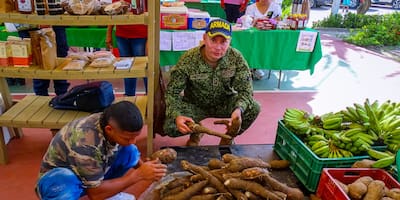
column 253, row 11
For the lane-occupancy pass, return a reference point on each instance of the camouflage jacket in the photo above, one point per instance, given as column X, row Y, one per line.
column 207, row 87
column 81, row 147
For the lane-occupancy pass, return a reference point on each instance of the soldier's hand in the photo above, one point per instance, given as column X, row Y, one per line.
column 180, row 122
column 237, row 113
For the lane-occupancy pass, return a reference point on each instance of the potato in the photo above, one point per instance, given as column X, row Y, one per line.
column 357, row 190
column 365, row 179
column 376, row 190
column 343, row 186
column 166, row 156
column 365, row 163
column 394, row 193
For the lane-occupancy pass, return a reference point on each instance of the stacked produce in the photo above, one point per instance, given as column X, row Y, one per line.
column 232, row 177
column 350, row 132
column 367, row 188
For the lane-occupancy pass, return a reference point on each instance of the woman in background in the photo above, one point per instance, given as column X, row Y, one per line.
column 264, row 9
column 234, row 9
column 131, row 42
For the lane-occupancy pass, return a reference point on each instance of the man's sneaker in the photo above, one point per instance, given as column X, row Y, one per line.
column 122, row 196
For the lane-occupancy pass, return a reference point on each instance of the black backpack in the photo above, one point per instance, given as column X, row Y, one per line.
column 90, row 97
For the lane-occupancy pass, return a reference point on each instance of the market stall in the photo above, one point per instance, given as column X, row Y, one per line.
column 270, row 45
column 273, row 49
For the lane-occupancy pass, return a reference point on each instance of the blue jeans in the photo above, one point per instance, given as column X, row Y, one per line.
column 131, row 47
column 62, row 183
column 41, row 86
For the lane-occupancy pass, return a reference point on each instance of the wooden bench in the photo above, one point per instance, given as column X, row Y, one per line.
column 35, row 112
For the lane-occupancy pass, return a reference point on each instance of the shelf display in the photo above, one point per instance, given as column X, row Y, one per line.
column 144, row 67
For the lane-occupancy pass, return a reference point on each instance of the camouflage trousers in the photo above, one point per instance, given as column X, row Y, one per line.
column 198, row 113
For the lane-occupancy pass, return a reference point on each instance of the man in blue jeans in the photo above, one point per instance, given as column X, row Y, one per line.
column 131, row 42
column 97, row 156
column 41, row 86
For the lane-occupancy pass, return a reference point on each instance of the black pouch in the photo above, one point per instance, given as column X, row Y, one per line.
column 90, row 97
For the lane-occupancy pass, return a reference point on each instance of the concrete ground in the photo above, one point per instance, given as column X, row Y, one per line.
column 345, row 74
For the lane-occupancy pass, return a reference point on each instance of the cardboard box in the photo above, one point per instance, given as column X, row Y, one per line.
column 174, row 17
column 4, row 54
column 198, row 20
column 20, row 56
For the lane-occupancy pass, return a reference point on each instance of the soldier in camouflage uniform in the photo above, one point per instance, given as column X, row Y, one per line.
column 212, row 80
column 96, row 156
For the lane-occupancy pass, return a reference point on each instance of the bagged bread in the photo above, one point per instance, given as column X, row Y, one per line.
column 36, row 50
column 48, row 47
column 75, row 65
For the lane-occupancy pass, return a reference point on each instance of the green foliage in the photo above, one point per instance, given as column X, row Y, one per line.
column 378, row 30
column 349, row 20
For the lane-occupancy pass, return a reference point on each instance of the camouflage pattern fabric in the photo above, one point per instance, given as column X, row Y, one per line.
column 209, row 92
column 81, row 147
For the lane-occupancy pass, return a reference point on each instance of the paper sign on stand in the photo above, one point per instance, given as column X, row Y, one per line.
column 183, row 41
column 165, row 41
column 306, row 41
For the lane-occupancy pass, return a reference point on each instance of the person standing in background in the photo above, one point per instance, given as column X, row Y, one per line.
column 234, row 9
column 41, row 86
column 345, row 5
column 264, row 9
column 131, row 42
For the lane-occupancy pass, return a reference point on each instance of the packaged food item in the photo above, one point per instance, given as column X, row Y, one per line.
column 54, row 7
column 79, row 56
column 36, row 50
column 84, row 7
column 41, row 7
column 102, row 54
column 198, row 19
column 102, row 62
column 48, row 48
column 4, row 54
column 25, row 6
column 75, row 65
column 124, row 63
column 116, row 8
column 174, row 17
column 20, row 51
column 265, row 24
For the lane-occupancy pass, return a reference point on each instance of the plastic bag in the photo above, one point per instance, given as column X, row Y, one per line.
column 84, row 7
column 153, row 191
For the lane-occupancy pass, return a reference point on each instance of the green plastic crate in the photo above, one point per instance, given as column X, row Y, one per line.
column 306, row 166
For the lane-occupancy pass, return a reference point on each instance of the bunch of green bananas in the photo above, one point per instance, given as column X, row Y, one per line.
column 384, row 159
column 357, row 140
column 350, row 131
column 332, row 121
column 380, row 122
column 298, row 120
column 325, row 148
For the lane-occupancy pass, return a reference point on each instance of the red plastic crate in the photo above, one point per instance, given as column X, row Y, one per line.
column 329, row 190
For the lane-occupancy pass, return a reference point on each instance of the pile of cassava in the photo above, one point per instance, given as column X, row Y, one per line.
column 366, row 188
column 230, row 178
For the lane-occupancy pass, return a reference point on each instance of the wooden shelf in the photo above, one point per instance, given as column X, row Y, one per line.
column 74, row 20
column 139, row 69
column 35, row 112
